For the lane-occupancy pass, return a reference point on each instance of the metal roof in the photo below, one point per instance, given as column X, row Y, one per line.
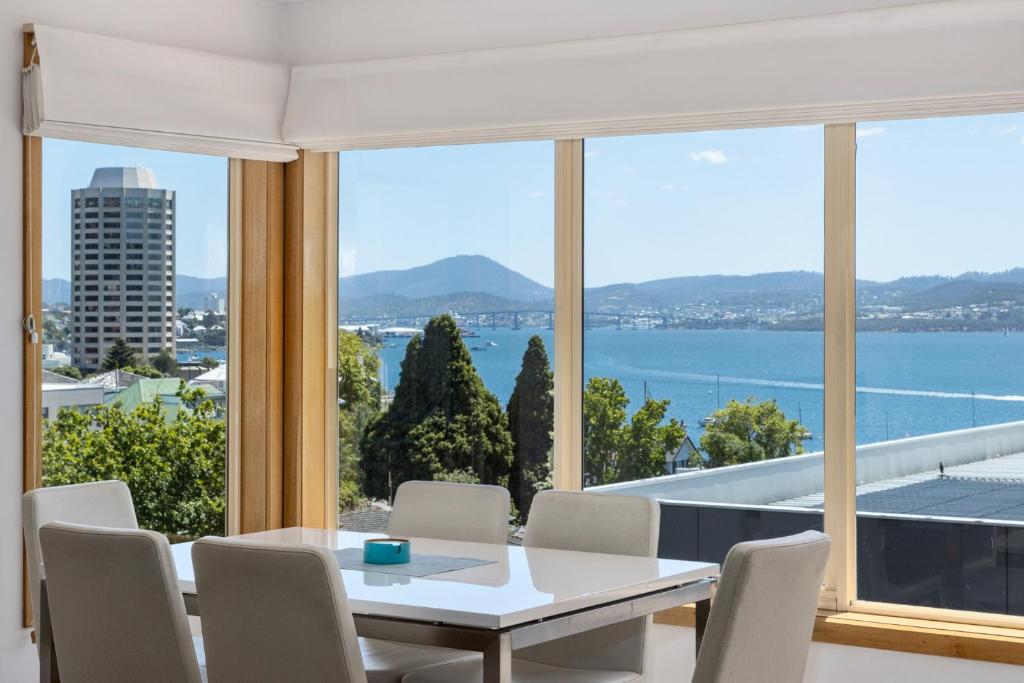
column 986, row 489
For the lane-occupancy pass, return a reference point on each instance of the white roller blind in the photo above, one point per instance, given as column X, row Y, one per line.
column 905, row 61
column 110, row 90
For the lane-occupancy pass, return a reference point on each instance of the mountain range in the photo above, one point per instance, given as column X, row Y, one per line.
column 474, row 283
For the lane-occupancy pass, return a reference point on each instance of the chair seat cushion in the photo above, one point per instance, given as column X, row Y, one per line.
column 386, row 661
column 523, row 671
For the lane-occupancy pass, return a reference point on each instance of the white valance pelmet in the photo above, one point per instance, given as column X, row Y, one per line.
column 914, row 60
column 110, row 90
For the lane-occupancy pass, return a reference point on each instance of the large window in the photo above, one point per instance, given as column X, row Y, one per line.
column 703, row 323
column 134, row 328
column 446, row 264
column 940, row 362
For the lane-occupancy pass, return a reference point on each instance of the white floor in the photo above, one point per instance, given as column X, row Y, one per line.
column 673, row 663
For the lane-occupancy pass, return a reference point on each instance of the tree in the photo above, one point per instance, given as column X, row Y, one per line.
column 165, row 362
column 614, row 450
column 174, row 468
column 147, row 371
column 68, row 371
column 442, row 419
column 358, row 403
column 531, row 421
column 749, row 432
column 209, row 363
column 119, row 355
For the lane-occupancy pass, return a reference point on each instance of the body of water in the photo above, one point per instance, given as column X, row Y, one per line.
column 908, row 384
column 216, row 354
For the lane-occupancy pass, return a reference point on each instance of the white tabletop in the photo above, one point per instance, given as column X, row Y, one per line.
column 521, row 585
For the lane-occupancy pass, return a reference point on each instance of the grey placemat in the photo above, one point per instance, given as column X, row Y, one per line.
column 420, row 565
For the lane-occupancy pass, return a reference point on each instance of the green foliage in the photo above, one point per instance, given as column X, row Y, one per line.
column 174, row 468
column 147, row 371
column 359, row 403
column 749, row 432
column 119, row 356
column 442, row 419
column 531, row 421
column 164, row 362
column 616, row 450
column 68, row 371
column 458, row 477
column 208, row 362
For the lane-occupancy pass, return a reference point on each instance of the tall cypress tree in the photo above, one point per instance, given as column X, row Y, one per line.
column 531, row 418
column 442, row 420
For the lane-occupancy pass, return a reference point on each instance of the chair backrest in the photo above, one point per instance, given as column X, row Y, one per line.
column 762, row 615
column 98, row 503
column 115, row 606
column 595, row 523
column 274, row 612
column 454, row 512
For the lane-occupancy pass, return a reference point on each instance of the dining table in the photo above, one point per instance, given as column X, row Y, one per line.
column 513, row 597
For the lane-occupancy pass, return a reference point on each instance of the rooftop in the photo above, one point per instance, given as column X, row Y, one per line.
column 986, row 489
column 123, row 176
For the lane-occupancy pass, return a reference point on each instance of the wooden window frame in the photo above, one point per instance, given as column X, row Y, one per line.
column 281, row 465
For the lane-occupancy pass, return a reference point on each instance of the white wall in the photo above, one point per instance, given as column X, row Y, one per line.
column 673, row 653
column 243, row 28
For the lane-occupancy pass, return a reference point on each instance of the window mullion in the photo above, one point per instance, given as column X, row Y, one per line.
column 568, row 461
column 840, row 363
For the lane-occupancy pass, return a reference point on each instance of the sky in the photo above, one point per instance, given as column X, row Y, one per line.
column 200, row 183
column 937, row 196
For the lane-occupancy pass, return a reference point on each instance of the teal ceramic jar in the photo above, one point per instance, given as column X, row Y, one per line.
column 387, row 551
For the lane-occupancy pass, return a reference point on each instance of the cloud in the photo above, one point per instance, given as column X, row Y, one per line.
column 536, row 193
column 870, row 132
column 712, row 156
column 1013, row 128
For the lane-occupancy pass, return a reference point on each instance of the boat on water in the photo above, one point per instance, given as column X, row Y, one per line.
column 490, row 343
column 708, row 421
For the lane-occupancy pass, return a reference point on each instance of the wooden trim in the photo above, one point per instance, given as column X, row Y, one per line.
column 568, row 353
column 257, row 325
column 233, row 466
column 32, row 294
column 310, row 457
column 840, row 362
column 899, row 634
column 331, row 483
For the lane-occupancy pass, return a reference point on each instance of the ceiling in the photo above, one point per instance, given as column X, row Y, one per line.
column 320, row 31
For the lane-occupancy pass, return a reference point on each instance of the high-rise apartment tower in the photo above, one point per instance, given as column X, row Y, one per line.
column 122, row 265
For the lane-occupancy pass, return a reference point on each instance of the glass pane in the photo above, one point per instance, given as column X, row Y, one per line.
column 446, row 262
column 134, row 328
column 940, row 356
column 703, row 330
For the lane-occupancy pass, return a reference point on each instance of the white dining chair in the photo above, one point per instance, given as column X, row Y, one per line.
column 99, row 503
column 763, row 613
column 115, row 606
column 274, row 612
column 587, row 522
column 450, row 511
